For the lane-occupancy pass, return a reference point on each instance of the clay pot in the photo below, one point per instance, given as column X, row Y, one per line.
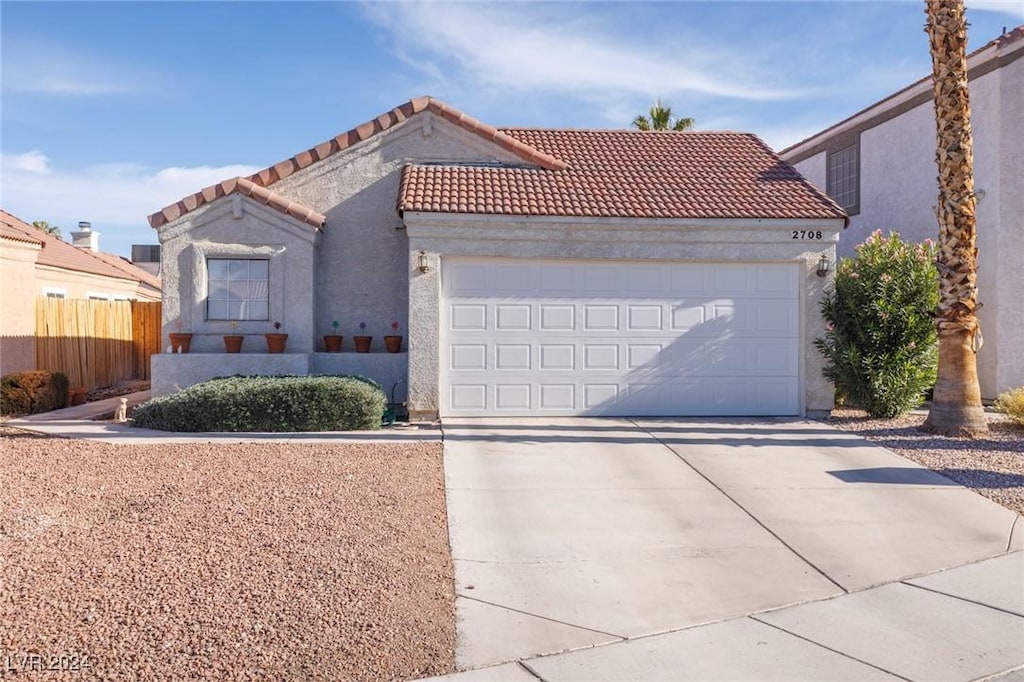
column 332, row 343
column 362, row 343
column 393, row 344
column 233, row 342
column 180, row 342
column 276, row 342
column 76, row 396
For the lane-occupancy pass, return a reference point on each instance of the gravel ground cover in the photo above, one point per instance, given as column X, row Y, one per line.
column 259, row 561
column 992, row 466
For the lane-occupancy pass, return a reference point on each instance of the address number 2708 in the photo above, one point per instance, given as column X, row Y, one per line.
column 806, row 234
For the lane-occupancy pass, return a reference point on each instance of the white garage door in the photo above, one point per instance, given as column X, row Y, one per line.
column 563, row 337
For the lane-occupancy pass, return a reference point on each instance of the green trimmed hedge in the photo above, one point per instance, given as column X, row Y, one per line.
column 277, row 403
column 33, row 392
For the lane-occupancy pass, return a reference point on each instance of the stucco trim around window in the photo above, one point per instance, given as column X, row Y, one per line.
column 205, row 251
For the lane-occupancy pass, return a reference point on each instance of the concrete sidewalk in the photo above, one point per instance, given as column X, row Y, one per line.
column 721, row 549
column 80, row 421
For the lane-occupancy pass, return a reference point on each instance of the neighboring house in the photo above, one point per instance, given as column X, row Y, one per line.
column 537, row 272
column 879, row 164
column 34, row 264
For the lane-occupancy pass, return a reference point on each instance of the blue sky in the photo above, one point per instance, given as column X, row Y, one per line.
column 112, row 110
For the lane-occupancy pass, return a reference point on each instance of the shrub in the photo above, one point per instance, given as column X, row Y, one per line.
column 1011, row 403
column 880, row 344
column 280, row 403
column 33, row 392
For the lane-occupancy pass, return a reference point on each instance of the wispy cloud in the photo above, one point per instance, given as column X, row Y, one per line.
column 551, row 49
column 1011, row 7
column 45, row 69
column 118, row 195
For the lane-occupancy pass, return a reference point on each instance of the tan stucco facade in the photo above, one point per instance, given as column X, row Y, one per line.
column 24, row 280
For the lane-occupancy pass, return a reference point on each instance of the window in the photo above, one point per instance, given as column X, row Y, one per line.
column 145, row 253
column 93, row 296
column 239, row 289
column 843, row 178
column 53, row 292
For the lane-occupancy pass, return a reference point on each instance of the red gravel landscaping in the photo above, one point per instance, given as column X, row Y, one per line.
column 259, row 561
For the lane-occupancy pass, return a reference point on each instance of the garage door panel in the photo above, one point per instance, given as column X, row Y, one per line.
column 611, row 339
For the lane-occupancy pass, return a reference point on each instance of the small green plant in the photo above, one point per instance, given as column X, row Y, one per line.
column 277, row 326
column 362, row 326
column 880, row 344
column 274, row 404
column 1011, row 403
column 335, row 326
column 33, row 392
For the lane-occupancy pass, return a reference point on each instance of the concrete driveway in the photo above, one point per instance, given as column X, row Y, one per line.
column 571, row 533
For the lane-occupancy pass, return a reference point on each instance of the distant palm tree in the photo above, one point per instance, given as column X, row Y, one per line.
column 660, row 117
column 956, row 403
column 49, row 229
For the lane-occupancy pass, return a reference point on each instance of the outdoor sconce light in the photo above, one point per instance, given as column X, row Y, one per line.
column 424, row 264
column 823, row 266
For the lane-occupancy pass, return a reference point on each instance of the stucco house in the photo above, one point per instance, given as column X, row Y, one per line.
column 34, row 264
column 535, row 272
column 879, row 165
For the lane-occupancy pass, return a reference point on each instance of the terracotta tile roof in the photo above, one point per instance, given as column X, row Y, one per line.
column 17, row 235
column 628, row 174
column 268, row 176
column 240, row 186
column 59, row 254
column 128, row 268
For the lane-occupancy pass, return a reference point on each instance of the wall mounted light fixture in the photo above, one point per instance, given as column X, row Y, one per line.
column 823, row 266
column 423, row 262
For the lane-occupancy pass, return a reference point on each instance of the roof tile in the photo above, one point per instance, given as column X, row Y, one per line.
column 60, row 254
column 628, row 174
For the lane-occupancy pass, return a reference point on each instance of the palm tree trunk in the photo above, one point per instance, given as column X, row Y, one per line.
column 956, row 403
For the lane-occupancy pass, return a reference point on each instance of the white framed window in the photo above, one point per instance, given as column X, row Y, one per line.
column 121, row 297
column 94, row 296
column 54, row 292
column 238, row 289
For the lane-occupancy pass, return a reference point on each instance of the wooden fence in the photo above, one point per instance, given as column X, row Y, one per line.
column 96, row 343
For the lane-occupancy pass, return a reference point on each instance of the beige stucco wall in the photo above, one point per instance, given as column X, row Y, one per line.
column 83, row 284
column 441, row 235
column 899, row 192
column 17, row 306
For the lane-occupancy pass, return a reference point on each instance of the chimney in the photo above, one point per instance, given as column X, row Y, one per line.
column 85, row 238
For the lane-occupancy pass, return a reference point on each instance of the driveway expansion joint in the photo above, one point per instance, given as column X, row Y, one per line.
column 828, row 648
column 964, row 599
column 756, row 520
column 537, row 615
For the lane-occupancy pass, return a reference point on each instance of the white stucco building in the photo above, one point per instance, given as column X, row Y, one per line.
column 879, row 165
column 534, row 272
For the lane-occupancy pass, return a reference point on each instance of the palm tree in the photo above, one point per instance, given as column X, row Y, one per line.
column 956, row 403
column 47, row 228
column 661, row 118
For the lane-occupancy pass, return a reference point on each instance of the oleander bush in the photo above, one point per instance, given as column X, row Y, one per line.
column 1011, row 403
column 33, row 392
column 880, row 345
column 276, row 403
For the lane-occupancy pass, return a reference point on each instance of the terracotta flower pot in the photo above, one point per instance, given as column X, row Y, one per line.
column 76, row 396
column 180, row 342
column 393, row 344
column 362, row 343
column 233, row 342
column 332, row 343
column 276, row 342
